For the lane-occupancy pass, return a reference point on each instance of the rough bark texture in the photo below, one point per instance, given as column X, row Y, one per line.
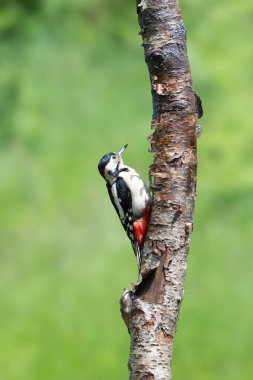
column 151, row 309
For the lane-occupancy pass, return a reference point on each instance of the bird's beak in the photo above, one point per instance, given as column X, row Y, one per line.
column 121, row 150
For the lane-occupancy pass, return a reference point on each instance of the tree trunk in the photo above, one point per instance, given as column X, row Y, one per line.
column 151, row 309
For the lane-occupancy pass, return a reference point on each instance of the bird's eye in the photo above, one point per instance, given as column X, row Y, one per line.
column 114, row 157
column 109, row 172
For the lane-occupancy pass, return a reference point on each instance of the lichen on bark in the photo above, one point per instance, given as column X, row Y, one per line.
column 151, row 309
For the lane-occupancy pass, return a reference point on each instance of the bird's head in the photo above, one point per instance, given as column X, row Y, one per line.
column 110, row 164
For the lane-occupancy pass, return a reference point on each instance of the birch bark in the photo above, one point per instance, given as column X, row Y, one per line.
column 151, row 309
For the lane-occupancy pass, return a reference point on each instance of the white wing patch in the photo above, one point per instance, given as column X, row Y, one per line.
column 116, row 201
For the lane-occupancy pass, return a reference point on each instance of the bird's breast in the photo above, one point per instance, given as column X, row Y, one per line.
column 139, row 191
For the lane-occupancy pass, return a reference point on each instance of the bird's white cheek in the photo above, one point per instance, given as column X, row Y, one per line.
column 111, row 166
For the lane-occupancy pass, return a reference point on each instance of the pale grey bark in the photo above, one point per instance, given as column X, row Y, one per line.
column 151, row 309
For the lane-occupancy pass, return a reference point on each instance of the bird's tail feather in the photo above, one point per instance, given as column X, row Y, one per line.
column 137, row 254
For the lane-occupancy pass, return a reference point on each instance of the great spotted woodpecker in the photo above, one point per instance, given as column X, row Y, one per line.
column 129, row 196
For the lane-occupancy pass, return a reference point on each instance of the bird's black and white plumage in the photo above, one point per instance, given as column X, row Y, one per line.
column 129, row 196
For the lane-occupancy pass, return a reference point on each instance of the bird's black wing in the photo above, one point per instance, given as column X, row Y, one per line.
column 109, row 188
column 125, row 201
column 122, row 204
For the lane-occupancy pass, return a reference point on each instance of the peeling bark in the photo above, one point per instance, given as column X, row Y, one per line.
column 151, row 309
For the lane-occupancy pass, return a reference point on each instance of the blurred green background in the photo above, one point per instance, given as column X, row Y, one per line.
column 73, row 86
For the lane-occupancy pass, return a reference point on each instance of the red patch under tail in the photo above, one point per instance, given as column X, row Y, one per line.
column 141, row 227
